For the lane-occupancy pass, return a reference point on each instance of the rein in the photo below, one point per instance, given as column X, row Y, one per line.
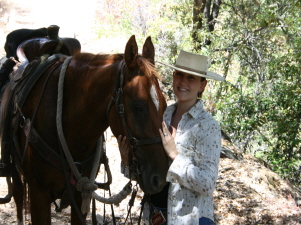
column 86, row 186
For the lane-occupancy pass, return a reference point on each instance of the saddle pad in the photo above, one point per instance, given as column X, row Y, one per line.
column 7, row 110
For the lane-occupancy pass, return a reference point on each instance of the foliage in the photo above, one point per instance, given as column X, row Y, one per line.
column 261, row 99
column 5, row 7
column 256, row 45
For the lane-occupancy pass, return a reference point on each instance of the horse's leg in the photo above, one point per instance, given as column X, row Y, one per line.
column 18, row 194
column 40, row 205
column 75, row 220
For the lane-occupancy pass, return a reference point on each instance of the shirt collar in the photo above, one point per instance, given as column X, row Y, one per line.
column 196, row 110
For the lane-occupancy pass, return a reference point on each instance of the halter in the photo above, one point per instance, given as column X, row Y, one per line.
column 117, row 97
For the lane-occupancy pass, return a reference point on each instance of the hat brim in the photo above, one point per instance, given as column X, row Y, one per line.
column 209, row 74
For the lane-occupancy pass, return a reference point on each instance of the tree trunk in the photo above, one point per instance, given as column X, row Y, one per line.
column 199, row 7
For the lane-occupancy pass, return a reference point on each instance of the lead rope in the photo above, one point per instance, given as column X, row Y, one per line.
column 144, row 199
column 131, row 203
column 84, row 185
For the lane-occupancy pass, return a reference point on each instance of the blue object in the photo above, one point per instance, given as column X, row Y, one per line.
column 205, row 221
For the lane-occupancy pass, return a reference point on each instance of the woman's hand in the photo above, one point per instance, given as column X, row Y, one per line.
column 124, row 150
column 168, row 142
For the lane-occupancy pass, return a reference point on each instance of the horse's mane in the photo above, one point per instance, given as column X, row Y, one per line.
column 106, row 59
column 87, row 58
column 149, row 68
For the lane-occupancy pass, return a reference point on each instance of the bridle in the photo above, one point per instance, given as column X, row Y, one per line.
column 117, row 98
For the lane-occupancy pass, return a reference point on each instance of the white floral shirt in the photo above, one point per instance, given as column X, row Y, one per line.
column 193, row 173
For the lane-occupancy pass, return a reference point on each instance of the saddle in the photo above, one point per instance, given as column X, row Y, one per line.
column 36, row 55
column 32, row 43
column 34, row 48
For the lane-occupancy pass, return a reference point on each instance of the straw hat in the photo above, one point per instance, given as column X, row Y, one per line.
column 194, row 64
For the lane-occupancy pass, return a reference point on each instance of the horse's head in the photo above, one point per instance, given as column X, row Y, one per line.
column 144, row 106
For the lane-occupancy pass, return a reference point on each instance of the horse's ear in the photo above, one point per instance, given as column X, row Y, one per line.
column 131, row 52
column 148, row 50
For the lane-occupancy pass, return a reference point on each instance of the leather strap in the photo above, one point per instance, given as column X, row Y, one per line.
column 148, row 141
column 35, row 76
column 48, row 153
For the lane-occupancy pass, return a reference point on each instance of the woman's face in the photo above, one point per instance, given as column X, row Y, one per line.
column 187, row 86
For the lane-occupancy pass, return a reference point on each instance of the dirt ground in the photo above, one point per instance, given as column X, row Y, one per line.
column 247, row 192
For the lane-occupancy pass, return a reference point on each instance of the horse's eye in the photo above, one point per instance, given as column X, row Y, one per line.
column 138, row 108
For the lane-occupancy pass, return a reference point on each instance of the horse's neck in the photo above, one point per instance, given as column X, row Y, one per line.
column 89, row 95
column 175, row 119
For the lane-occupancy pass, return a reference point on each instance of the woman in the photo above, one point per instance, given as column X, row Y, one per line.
column 192, row 140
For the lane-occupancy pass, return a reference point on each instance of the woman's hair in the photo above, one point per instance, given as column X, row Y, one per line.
column 201, row 93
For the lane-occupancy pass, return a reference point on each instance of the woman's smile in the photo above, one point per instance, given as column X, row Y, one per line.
column 183, row 89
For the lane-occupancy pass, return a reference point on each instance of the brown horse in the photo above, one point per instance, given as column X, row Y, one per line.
column 90, row 93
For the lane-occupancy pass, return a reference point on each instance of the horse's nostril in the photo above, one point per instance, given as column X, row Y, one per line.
column 156, row 182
